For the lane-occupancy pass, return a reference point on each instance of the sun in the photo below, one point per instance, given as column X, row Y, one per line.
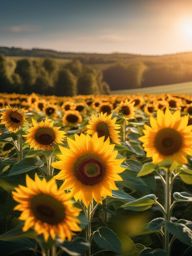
column 186, row 27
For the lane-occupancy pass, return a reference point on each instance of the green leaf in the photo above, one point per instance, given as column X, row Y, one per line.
column 155, row 224
column 25, row 165
column 174, row 166
column 142, row 204
column 144, row 185
column 15, row 233
column 137, row 149
column 83, row 220
column 146, row 169
column 157, row 252
column 182, row 197
column 181, row 232
column 121, row 195
column 12, row 247
column 186, row 176
column 106, row 239
column 77, row 247
column 7, row 186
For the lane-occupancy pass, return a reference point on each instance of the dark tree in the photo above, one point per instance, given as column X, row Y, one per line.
column 65, row 84
column 27, row 73
column 49, row 65
column 87, row 84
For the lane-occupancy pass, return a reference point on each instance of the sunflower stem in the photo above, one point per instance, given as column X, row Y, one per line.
column 167, row 215
column 89, row 230
column 54, row 250
column 20, row 146
column 49, row 167
column 124, row 130
column 105, row 211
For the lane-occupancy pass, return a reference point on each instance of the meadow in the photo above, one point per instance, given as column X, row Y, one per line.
column 96, row 175
column 179, row 88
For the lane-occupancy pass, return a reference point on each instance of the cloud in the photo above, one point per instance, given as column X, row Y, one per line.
column 19, row 29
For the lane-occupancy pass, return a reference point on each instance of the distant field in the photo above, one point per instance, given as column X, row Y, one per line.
column 185, row 88
column 59, row 60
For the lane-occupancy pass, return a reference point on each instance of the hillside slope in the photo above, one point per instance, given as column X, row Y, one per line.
column 184, row 88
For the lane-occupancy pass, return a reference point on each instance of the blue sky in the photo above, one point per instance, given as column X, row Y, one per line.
column 134, row 26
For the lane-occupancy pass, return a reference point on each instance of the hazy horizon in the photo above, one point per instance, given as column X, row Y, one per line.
column 144, row 27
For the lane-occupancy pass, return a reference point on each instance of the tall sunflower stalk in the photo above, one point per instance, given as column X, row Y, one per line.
column 20, row 145
column 49, row 160
column 168, row 140
column 89, row 214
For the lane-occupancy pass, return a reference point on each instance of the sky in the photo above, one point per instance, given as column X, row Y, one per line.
column 103, row 26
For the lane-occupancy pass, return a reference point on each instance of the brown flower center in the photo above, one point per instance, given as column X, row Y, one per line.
column 47, row 209
column 89, row 170
column 67, row 107
column 15, row 117
column 71, row 118
column 102, row 129
column 49, row 111
column 125, row 110
column 189, row 110
column 79, row 108
column 136, row 102
column 40, row 105
column 106, row 109
column 45, row 136
column 172, row 104
column 150, row 109
column 168, row 141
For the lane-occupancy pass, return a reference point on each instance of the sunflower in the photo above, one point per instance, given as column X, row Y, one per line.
column 13, row 119
column 72, row 117
column 127, row 109
column 44, row 135
column 104, row 125
column 138, row 101
column 174, row 102
column 80, row 107
column 150, row 109
column 1, row 103
column 40, row 104
column 105, row 108
column 188, row 109
column 32, row 99
column 68, row 105
column 89, row 167
column 46, row 209
column 168, row 138
column 50, row 110
column 162, row 104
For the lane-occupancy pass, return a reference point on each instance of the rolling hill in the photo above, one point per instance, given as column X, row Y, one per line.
column 184, row 88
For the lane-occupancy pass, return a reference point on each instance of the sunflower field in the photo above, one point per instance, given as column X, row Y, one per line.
column 96, row 175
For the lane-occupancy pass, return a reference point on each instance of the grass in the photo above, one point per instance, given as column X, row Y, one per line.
column 184, row 88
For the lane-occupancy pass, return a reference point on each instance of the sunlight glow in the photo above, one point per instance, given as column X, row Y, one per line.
column 186, row 28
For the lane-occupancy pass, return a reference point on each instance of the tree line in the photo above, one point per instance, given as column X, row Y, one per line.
column 49, row 77
column 145, row 73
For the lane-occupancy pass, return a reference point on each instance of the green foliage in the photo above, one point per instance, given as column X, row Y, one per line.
column 186, row 175
column 107, row 240
column 141, row 204
column 87, row 84
column 47, row 76
column 25, row 165
column 65, row 84
column 181, row 232
column 26, row 71
column 147, row 168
